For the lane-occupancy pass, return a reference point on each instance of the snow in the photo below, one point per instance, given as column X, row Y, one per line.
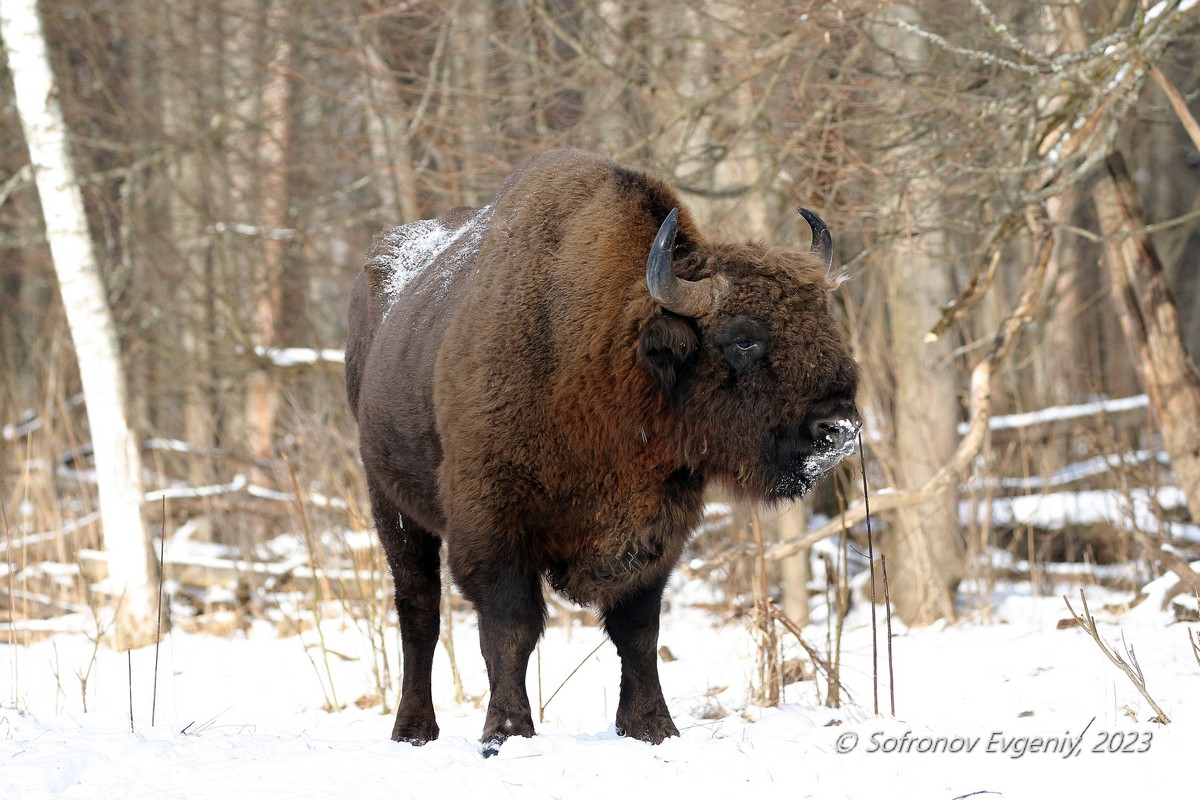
column 416, row 246
column 1157, row 10
column 1097, row 465
column 1060, row 413
column 295, row 356
column 241, row 716
column 251, row 230
column 1058, row 510
column 29, row 423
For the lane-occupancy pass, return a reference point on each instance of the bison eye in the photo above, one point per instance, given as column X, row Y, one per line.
column 743, row 354
column 743, row 342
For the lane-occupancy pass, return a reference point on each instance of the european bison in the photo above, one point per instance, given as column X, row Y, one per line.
column 548, row 386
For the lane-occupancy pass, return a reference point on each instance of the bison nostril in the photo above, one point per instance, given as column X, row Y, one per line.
column 835, row 432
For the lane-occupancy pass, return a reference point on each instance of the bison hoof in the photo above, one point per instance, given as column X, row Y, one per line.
column 490, row 745
column 415, row 730
column 652, row 728
column 496, row 732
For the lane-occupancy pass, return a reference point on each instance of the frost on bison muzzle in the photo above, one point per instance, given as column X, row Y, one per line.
column 548, row 383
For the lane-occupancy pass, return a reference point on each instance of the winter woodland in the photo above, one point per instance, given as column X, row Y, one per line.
column 191, row 600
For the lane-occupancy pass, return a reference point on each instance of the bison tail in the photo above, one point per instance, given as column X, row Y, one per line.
column 358, row 342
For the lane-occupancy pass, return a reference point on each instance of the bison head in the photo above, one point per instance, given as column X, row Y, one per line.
column 751, row 359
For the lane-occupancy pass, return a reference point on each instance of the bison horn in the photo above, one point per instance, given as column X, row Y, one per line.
column 822, row 242
column 684, row 297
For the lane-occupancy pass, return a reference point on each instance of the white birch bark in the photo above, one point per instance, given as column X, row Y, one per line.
column 132, row 569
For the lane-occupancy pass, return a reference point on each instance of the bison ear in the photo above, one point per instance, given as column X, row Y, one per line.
column 666, row 346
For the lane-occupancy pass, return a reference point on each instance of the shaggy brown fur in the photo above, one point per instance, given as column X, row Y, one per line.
column 525, row 399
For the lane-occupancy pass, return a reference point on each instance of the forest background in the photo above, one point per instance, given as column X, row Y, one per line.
column 1012, row 188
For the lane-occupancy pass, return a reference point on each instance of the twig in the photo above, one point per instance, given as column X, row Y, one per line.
column 85, row 675
column 887, row 604
column 822, row 664
column 1178, row 103
column 447, row 636
column 1195, row 645
column 12, row 616
column 542, row 710
column 870, row 565
column 977, row 55
column 1130, row 667
column 19, row 177
column 203, row 725
column 331, row 698
column 1055, row 66
column 837, row 582
column 1002, row 30
column 975, row 291
column 129, row 664
column 162, row 550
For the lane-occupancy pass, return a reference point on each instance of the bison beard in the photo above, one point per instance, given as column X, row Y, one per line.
column 548, row 384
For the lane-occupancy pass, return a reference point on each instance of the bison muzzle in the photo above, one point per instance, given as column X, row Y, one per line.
column 549, row 383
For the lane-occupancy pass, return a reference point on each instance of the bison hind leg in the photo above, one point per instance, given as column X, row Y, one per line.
column 414, row 555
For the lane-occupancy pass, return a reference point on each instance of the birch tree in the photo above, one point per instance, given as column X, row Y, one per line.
column 131, row 566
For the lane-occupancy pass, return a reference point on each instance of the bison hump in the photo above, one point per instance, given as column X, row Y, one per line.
column 429, row 248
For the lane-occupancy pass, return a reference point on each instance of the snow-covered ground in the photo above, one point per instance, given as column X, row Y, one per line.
column 1000, row 704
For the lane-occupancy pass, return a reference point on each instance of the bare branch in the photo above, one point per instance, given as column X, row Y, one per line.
column 1140, row 33
column 980, row 403
column 1177, row 103
column 820, row 662
column 18, row 179
column 957, row 309
column 1129, row 665
column 1003, row 31
column 976, row 55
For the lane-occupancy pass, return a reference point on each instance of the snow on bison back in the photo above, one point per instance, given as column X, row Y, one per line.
column 548, row 383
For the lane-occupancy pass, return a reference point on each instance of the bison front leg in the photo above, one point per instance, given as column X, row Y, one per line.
column 632, row 624
column 512, row 615
column 414, row 557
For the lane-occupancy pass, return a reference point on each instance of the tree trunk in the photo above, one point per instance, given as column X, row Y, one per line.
column 924, row 542
column 1151, row 324
column 469, row 60
column 263, row 390
column 132, row 568
column 794, row 571
column 389, row 133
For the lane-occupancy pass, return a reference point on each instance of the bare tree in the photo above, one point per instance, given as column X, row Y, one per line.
column 274, row 137
column 132, row 569
column 237, row 156
column 1142, row 294
column 925, row 544
column 1150, row 320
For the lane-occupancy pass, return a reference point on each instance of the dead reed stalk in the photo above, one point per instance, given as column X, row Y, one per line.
column 770, row 675
column 331, row 700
